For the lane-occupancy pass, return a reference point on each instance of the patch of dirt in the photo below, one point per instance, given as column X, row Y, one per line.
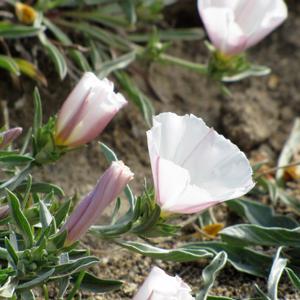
column 259, row 115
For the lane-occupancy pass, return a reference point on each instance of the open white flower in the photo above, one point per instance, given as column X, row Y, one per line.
column 161, row 286
column 193, row 166
column 235, row 25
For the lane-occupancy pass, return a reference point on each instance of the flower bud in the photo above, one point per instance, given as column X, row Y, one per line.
column 109, row 186
column 25, row 13
column 234, row 26
column 8, row 136
column 87, row 111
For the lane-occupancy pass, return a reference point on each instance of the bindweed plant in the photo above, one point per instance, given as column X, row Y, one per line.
column 108, row 36
column 193, row 171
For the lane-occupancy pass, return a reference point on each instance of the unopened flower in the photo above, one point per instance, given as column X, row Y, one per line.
column 109, row 186
column 8, row 136
column 235, row 25
column 193, row 166
column 87, row 111
column 25, row 13
column 161, row 286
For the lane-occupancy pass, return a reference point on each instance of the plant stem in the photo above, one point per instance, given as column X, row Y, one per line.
column 199, row 68
column 46, row 294
column 76, row 285
column 272, row 170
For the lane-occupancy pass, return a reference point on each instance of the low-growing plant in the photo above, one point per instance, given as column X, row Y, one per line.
column 192, row 171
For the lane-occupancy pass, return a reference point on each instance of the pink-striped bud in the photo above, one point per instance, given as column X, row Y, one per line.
column 87, row 111
column 109, row 186
column 8, row 136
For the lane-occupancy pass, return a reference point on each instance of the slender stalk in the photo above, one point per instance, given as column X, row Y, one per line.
column 272, row 170
column 199, row 68
column 46, row 293
column 76, row 285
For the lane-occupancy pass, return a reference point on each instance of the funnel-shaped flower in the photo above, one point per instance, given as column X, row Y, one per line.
column 193, row 166
column 87, row 111
column 235, row 25
column 161, row 286
column 109, row 186
column 8, row 136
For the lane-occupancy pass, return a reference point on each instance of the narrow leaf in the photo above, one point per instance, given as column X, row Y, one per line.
column 209, row 274
column 38, row 280
column 56, row 56
column 96, row 285
column 176, row 255
column 278, row 267
column 9, row 64
column 295, row 280
column 19, row 218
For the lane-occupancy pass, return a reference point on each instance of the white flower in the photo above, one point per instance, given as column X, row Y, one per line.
column 235, row 25
column 193, row 166
column 160, row 286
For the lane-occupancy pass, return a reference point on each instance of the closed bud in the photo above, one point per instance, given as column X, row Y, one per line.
column 109, row 186
column 87, row 111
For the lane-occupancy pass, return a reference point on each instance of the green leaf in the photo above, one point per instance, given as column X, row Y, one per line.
column 38, row 112
column 62, row 212
column 97, row 285
column 27, row 295
column 128, row 7
column 8, row 30
column 45, row 215
column 57, row 241
column 16, row 159
column 260, row 214
column 13, row 182
column 38, row 280
column 176, row 255
column 242, row 259
column 19, row 219
column 209, row 274
column 136, row 96
column 189, row 34
column 118, row 63
column 63, row 285
column 76, row 55
column 30, row 70
column 56, row 56
column 245, row 234
column 295, row 280
column 43, row 188
column 289, row 149
column 278, row 267
column 73, row 266
column 12, row 253
column 253, row 70
column 106, row 37
column 9, row 64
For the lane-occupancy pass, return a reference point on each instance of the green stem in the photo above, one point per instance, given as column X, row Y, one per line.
column 46, row 293
column 199, row 68
column 76, row 285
